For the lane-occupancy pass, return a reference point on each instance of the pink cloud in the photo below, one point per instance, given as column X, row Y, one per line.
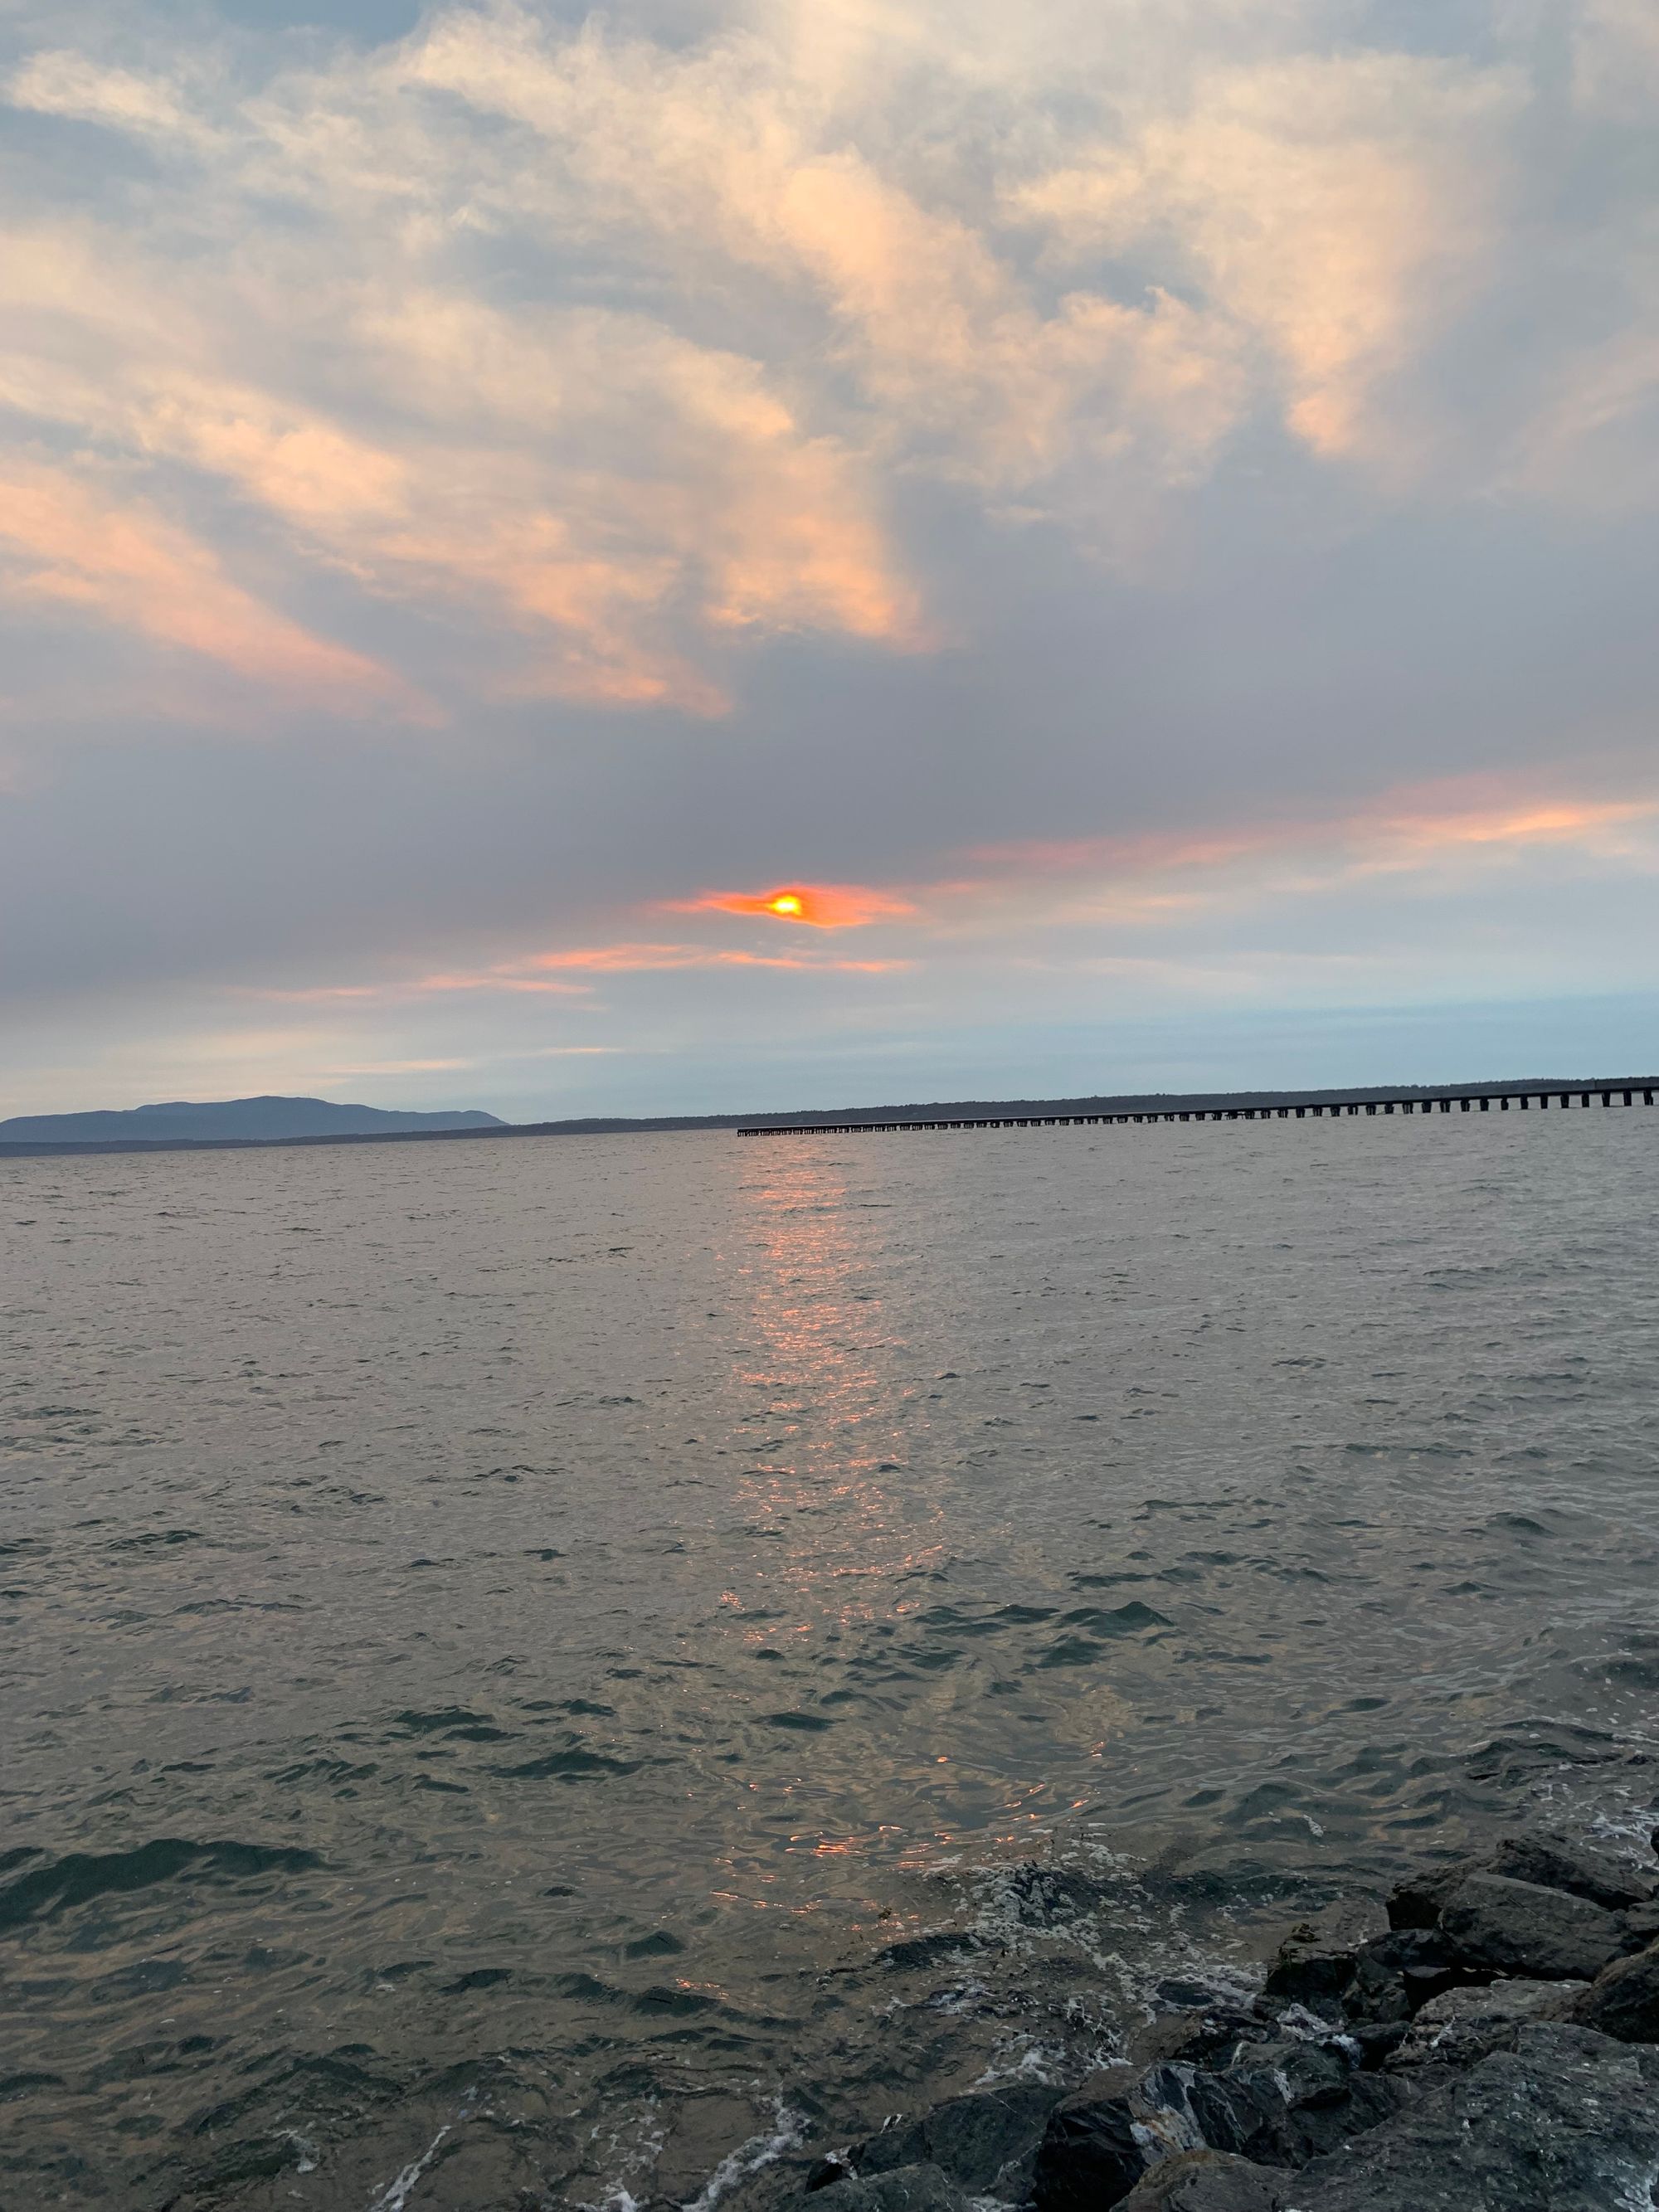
column 130, row 566
column 637, row 958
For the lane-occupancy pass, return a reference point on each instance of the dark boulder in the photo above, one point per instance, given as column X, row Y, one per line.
column 1550, row 1863
column 904, row 2189
column 1567, row 2121
column 1546, row 1862
column 1306, row 1973
column 1416, row 1902
column 1639, row 1927
column 1091, row 2156
column 1381, row 1990
column 824, row 2172
column 1461, row 2026
column 975, row 2139
column 1624, row 2001
column 1282, row 2104
column 1207, row 2181
column 1398, row 1972
column 1202, row 2037
column 1317, row 1960
column 1374, row 2042
column 1516, row 1928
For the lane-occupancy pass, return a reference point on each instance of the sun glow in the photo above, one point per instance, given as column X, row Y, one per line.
column 819, row 906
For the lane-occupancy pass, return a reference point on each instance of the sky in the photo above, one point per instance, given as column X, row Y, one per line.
column 699, row 556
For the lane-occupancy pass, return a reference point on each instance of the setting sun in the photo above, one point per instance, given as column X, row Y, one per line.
column 819, row 906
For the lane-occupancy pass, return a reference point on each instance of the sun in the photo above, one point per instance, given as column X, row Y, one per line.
column 785, row 903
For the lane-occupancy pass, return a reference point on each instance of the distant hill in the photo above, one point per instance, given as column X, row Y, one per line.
column 251, row 1121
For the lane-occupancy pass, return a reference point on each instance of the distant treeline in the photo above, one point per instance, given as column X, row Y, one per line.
column 964, row 1110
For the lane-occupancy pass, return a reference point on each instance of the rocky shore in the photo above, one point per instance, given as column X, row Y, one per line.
column 1487, row 2041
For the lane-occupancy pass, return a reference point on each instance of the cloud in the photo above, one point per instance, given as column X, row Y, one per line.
column 74, row 85
column 1326, row 204
column 74, row 551
column 1616, row 58
column 623, row 350
column 634, row 959
column 1452, row 831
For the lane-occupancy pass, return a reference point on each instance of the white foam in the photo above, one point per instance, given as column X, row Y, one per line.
column 396, row 2194
column 788, row 2129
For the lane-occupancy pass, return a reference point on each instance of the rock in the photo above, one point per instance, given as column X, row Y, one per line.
column 1624, row 2001
column 975, row 2139
column 1317, row 1959
column 1090, row 2156
column 1279, row 2104
column 1639, row 1927
column 1397, row 1972
column 1566, row 2122
column 1550, row 1862
column 1376, row 2042
column 1461, row 2026
column 1206, row 2181
column 824, row 2172
column 1416, row 1902
column 1305, row 1974
column 1516, row 1928
column 1546, row 1862
column 1380, row 1992
column 903, row 2189
column 1203, row 2037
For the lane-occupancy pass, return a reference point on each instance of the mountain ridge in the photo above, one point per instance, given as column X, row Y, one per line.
column 269, row 1119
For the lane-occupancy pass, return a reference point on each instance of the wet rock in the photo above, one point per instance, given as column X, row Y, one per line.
column 1416, row 1901
column 1281, row 2103
column 1516, row 1928
column 1546, row 1862
column 1461, row 2026
column 1317, row 1959
column 1550, row 1862
column 1567, row 2120
column 1624, row 2001
column 1207, row 2181
column 1400, row 1971
column 905, row 2189
column 1380, row 1990
column 1203, row 2037
column 1091, row 2155
column 1639, row 1927
column 824, row 2172
column 1376, row 2041
column 988, row 2136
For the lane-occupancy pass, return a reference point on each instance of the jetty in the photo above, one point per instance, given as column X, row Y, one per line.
column 1461, row 1102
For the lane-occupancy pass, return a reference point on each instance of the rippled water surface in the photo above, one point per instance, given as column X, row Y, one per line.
column 578, row 1670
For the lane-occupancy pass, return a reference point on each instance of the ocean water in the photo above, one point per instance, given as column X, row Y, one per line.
column 585, row 1671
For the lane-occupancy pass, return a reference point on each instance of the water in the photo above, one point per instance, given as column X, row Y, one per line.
column 587, row 1670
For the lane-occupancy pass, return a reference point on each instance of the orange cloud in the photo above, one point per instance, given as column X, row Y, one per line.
column 1396, row 831
column 132, row 568
column 615, row 959
column 819, row 906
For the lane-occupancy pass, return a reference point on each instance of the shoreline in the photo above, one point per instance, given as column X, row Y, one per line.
column 1484, row 2040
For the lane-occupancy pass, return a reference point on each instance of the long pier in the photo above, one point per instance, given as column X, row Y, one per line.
column 1462, row 1102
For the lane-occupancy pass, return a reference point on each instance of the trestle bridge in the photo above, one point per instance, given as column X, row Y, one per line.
column 1449, row 1101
